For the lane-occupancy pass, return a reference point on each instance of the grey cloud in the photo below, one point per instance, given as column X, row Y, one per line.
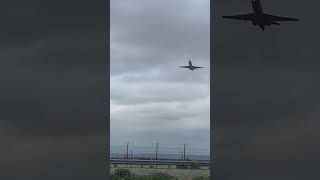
column 149, row 92
column 155, row 119
column 131, row 93
column 158, row 33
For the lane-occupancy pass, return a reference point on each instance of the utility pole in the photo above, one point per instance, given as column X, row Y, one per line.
column 157, row 151
column 184, row 152
column 131, row 150
column 131, row 158
column 127, row 150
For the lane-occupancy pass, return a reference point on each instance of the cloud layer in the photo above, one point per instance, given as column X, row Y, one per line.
column 152, row 99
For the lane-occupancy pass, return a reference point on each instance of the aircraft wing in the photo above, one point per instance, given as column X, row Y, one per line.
column 197, row 67
column 184, row 66
column 246, row 17
column 279, row 18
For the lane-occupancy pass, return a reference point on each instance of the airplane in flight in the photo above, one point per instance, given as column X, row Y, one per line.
column 191, row 67
column 258, row 17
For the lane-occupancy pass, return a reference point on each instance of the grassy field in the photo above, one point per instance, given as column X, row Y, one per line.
column 125, row 174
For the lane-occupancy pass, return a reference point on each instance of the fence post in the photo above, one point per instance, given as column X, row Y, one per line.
column 157, row 154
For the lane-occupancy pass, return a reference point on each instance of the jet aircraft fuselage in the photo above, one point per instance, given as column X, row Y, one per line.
column 258, row 17
column 190, row 66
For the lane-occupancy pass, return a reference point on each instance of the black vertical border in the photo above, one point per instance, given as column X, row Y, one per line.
column 107, row 116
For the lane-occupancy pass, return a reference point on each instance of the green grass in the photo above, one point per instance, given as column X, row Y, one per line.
column 124, row 174
column 182, row 166
column 200, row 178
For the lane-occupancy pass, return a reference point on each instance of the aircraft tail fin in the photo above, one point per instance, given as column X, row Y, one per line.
column 256, row 5
column 190, row 63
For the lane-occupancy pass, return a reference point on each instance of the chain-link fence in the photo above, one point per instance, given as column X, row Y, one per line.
column 183, row 152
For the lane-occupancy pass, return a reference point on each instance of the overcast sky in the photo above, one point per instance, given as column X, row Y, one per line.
column 152, row 99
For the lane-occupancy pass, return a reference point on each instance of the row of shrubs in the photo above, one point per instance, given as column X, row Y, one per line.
column 194, row 165
column 125, row 174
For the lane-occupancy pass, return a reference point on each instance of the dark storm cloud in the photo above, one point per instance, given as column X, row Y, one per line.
column 266, row 93
column 52, row 89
